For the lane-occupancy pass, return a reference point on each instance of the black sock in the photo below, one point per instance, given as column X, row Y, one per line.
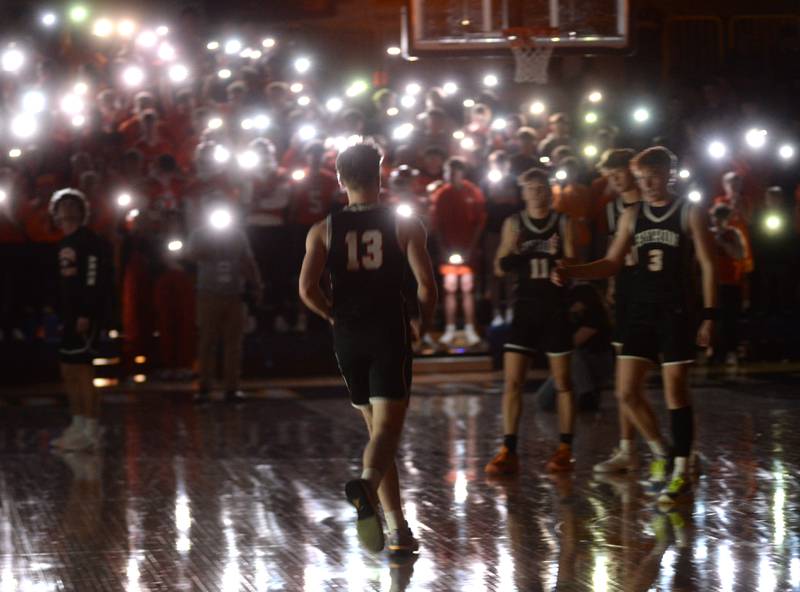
column 682, row 423
column 510, row 442
column 565, row 439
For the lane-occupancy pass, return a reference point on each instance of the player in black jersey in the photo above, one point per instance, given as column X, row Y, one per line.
column 664, row 232
column 366, row 248
column 615, row 167
column 531, row 243
column 81, row 265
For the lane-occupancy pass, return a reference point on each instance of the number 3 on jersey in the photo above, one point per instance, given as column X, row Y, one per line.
column 656, row 262
column 540, row 269
column 373, row 242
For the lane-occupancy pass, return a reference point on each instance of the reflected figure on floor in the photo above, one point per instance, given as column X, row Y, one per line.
column 83, row 516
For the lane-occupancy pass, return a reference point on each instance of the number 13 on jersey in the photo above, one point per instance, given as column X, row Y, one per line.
column 373, row 244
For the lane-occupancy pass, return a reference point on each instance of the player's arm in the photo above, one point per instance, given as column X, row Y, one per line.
column 570, row 233
column 609, row 265
column 704, row 252
column 311, row 273
column 420, row 262
column 90, row 296
column 507, row 247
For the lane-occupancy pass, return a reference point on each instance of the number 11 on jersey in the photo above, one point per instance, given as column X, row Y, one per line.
column 540, row 269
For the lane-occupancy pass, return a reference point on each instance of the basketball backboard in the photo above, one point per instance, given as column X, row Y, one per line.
column 470, row 27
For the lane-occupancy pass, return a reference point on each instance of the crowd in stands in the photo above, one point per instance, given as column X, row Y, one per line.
column 158, row 129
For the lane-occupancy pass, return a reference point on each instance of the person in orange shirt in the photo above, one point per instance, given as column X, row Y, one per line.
column 458, row 215
column 740, row 218
column 574, row 200
column 730, row 248
column 131, row 128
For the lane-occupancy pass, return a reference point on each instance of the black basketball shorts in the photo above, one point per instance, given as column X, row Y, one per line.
column 660, row 332
column 76, row 348
column 537, row 328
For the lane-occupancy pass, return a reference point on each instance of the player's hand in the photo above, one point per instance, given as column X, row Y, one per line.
column 559, row 275
column 705, row 333
column 82, row 326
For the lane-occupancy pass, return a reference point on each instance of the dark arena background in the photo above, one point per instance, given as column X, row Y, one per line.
column 175, row 395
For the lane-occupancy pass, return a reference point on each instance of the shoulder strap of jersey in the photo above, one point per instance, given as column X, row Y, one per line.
column 611, row 211
column 686, row 209
column 328, row 232
column 563, row 220
column 639, row 207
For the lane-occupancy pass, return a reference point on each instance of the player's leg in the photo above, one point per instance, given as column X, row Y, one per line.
column 91, row 402
column 681, row 416
column 450, row 308
column 70, row 380
column 515, row 368
column 232, row 340
column 560, row 369
column 467, row 282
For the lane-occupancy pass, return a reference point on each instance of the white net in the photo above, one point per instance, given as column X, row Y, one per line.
column 531, row 62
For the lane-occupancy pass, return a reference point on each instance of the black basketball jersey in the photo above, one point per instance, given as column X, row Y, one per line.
column 614, row 211
column 366, row 264
column 543, row 242
column 663, row 253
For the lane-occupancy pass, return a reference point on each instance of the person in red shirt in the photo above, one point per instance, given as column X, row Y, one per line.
column 153, row 142
column 740, row 218
column 730, row 249
column 458, row 215
column 131, row 128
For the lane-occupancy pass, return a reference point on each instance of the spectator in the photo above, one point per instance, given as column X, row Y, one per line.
column 558, row 134
column 526, row 157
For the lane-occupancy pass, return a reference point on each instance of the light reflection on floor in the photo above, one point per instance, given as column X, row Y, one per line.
column 250, row 498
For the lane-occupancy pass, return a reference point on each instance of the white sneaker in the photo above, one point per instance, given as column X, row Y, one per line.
column 78, row 441
column 281, row 326
column 618, row 462
column 65, row 435
column 498, row 320
column 448, row 337
column 471, row 337
column 509, row 315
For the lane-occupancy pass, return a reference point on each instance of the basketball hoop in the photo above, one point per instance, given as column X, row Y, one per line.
column 531, row 58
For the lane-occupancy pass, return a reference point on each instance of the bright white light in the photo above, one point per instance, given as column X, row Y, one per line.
column 756, row 138
column 302, row 65
column 786, row 151
column 269, row 42
column 456, row 259
column 394, row 50
column 684, row 173
column 162, row 30
column 413, row 88
column 561, row 174
column 468, row 103
column 72, row 104
column 133, row 76
column 261, row 122
column 166, row 52
column 403, row 131
column 102, row 27
column 132, row 215
column 694, row 195
column 590, row 117
column 490, row 80
column 717, row 149
column 220, row 218
column 78, row 13
column 33, row 101
column 296, row 87
column 78, row 120
column 449, row 88
column 495, row 176
column 233, row 46
column 467, row 143
column 126, row 28
column 3, row 196
column 147, row 39
column 408, row 102
column 248, row 159
column 595, row 96
column 124, row 200
column 544, row 159
column 356, row 88
column 392, row 111
column 212, row 45
column 215, row 123
column 12, row 60
column 458, row 135
column 80, row 88
column 537, row 108
column 247, row 123
column 255, row 54
column 24, row 126
column 499, row 124
column 224, row 73
column 334, row 104
column 298, row 175
column 304, row 101
column 640, row 115
column 246, row 53
column 773, row 222
column 49, row 19
column 590, row 150
column 405, row 211
column 178, row 73
column 221, row 154
column 14, row 153
column 307, row 132
column 175, row 245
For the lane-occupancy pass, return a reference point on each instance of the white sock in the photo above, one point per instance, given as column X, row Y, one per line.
column 90, row 426
column 394, row 520
column 657, row 447
column 626, row 446
column 450, row 329
column 373, row 476
column 681, row 464
column 469, row 328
